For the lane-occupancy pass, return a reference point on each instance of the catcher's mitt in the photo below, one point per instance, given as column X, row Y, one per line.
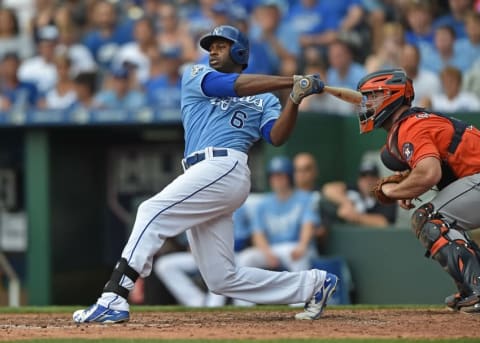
column 377, row 192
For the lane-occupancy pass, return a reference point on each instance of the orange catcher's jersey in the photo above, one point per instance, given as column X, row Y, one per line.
column 425, row 134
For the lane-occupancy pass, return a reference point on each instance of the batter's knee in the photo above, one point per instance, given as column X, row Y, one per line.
column 221, row 282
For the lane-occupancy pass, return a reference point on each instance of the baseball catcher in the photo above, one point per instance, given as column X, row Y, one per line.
column 429, row 150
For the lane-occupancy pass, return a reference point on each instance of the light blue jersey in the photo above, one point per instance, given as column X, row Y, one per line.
column 281, row 220
column 230, row 122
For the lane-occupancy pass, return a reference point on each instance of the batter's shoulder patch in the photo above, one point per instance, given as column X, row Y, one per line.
column 407, row 151
column 197, row 69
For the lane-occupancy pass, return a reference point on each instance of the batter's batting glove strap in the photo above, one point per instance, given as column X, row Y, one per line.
column 305, row 85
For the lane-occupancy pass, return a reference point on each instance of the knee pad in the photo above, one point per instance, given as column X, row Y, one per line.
column 452, row 251
column 430, row 229
column 114, row 284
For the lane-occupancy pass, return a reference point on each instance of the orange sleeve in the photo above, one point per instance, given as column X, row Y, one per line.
column 415, row 140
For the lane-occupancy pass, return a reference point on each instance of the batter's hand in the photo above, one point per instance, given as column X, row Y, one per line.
column 305, row 85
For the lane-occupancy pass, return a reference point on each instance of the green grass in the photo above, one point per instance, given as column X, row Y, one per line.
column 245, row 341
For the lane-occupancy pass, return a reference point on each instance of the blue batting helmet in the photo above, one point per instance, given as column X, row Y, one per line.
column 280, row 164
column 240, row 48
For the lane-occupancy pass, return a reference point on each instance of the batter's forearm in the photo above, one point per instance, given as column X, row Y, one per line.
column 252, row 84
column 285, row 124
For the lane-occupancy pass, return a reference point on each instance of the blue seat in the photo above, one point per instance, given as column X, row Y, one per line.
column 338, row 266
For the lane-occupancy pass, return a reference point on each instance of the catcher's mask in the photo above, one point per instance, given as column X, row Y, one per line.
column 383, row 93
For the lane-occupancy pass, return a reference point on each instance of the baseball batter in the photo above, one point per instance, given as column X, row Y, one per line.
column 223, row 113
column 438, row 151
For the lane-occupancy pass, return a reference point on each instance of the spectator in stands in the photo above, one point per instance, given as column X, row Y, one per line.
column 456, row 17
column 137, row 52
column 378, row 12
column 163, row 87
column 69, row 43
column 343, row 71
column 85, row 89
column 199, row 19
column 425, row 82
column 323, row 103
column 108, row 33
column 310, row 22
column 120, row 95
column 323, row 20
column 44, row 15
column 63, row 95
column 305, row 179
column 171, row 35
column 12, row 40
column 306, row 172
column 14, row 93
column 388, row 55
column 281, row 42
column 40, row 69
column 470, row 46
column 444, row 53
column 176, row 270
column 419, row 16
column 260, row 60
column 283, row 224
column 453, row 99
column 471, row 80
column 354, row 205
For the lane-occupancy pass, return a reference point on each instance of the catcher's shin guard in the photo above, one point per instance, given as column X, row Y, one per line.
column 114, row 284
column 456, row 255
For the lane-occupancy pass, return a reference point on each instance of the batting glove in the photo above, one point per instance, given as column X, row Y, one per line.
column 305, row 85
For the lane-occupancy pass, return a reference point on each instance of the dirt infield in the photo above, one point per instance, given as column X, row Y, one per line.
column 255, row 324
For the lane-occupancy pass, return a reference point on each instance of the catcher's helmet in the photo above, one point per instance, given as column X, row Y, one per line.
column 280, row 164
column 240, row 48
column 383, row 92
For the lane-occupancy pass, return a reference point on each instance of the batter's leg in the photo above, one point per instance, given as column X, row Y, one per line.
column 212, row 246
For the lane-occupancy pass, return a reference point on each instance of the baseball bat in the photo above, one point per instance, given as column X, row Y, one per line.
column 348, row 95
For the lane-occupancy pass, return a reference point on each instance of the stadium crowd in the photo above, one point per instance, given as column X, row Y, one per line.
column 64, row 54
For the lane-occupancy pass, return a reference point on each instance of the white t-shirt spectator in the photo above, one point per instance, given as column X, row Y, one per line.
column 56, row 101
column 463, row 102
column 131, row 53
column 427, row 84
column 38, row 72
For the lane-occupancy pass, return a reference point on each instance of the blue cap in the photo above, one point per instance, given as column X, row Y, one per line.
column 221, row 8
column 119, row 73
column 280, row 165
column 171, row 52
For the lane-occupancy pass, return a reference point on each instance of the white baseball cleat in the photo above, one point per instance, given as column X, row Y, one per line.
column 100, row 314
column 314, row 308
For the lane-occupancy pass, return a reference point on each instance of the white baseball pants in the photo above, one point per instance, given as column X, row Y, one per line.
column 203, row 199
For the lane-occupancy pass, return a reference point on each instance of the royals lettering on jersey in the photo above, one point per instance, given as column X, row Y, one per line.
column 230, row 122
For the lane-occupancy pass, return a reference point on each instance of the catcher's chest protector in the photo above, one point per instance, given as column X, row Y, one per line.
column 393, row 160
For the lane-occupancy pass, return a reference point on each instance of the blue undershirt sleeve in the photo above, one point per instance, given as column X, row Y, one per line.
column 216, row 84
column 266, row 130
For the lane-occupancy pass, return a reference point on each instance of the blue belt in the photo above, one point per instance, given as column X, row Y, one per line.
column 200, row 156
